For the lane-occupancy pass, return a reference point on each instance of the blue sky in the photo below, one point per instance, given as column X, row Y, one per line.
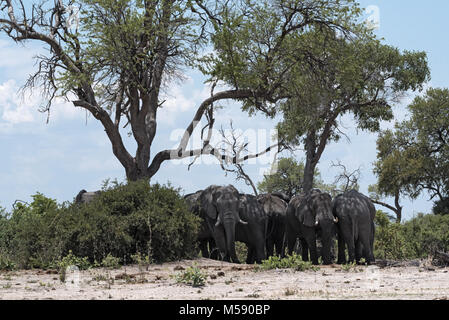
column 72, row 151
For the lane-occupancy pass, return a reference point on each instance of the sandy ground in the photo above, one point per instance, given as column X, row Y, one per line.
column 230, row 281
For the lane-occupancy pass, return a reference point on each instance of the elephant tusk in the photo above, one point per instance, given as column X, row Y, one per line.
column 243, row 222
column 218, row 221
column 317, row 223
column 336, row 220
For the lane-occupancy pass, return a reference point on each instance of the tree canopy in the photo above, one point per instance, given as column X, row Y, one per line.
column 414, row 157
column 115, row 63
column 288, row 178
column 360, row 76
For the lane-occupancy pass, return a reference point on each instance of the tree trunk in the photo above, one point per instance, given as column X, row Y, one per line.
column 309, row 168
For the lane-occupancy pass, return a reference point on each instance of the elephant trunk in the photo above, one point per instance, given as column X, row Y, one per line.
column 327, row 241
column 229, row 227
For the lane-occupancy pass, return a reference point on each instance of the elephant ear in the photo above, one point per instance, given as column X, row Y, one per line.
column 208, row 204
column 308, row 213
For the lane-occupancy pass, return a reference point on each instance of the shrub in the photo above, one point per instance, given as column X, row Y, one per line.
column 71, row 260
column 390, row 242
column 111, row 262
column 425, row 234
column 122, row 221
column 191, row 276
column 290, row 262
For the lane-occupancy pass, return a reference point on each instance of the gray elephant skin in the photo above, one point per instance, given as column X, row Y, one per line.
column 85, row 197
column 205, row 238
column 229, row 216
column 276, row 209
column 253, row 234
column 310, row 216
column 355, row 213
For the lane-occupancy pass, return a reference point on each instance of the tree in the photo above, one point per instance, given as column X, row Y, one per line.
column 115, row 63
column 376, row 196
column 360, row 76
column 288, row 178
column 414, row 157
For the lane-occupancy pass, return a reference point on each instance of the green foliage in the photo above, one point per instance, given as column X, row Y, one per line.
column 192, row 276
column 427, row 233
column 441, row 206
column 288, row 178
column 390, row 241
column 122, row 221
column 6, row 263
column 414, row 239
column 241, row 250
column 290, row 262
column 414, row 157
column 257, row 44
column 71, row 260
column 349, row 266
column 141, row 260
column 111, row 262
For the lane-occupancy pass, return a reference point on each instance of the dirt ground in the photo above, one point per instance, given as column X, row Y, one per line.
column 231, row 281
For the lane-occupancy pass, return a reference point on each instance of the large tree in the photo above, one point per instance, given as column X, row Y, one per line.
column 358, row 76
column 414, row 157
column 115, row 63
column 287, row 178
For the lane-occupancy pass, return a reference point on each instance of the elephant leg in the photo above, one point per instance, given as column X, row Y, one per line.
column 250, row 257
column 213, row 250
column 349, row 240
column 291, row 242
column 371, row 240
column 270, row 246
column 367, row 253
column 304, row 250
column 347, row 233
column 341, row 250
column 204, row 249
column 259, row 253
column 279, row 246
column 283, row 246
column 358, row 250
column 313, row 251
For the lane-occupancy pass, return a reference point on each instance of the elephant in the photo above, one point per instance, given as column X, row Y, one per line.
column 253, row 234
column 310, row 216
column 355, row 213
column 85, row 197
column 219, row 207
column 276, row 209
column 205, row 238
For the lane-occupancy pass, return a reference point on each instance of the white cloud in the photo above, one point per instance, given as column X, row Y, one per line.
column 178, row 102
column 15, row 109
column 17, row 60
column 18, row 108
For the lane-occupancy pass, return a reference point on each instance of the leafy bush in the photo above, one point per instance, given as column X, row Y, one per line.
column 413, row 239
column 71, row 260
column 191, row 276
column 110, row 262
column 121, row 221
column 441, row 206
column 390, row 242
column 290, row 262
column 425, row 234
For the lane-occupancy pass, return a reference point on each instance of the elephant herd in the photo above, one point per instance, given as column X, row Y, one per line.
column 271, row 223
